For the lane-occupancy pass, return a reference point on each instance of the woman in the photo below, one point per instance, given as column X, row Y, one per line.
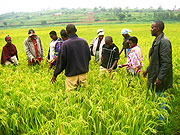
column 135, row 57
column 96, row 45
column 9, row 53
column 126, row 34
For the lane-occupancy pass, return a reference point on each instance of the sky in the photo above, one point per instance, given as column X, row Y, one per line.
column 38, row 5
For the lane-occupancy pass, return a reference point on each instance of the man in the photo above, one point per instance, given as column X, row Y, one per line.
column 126, row 47
column 54, row 48
column 33, row 48
column 74, row 57
column 96, row 45
column 64, row 35
column 160, row 55
column 110, row 56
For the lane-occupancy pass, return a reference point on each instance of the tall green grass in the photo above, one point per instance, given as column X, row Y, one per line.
column 30, row 104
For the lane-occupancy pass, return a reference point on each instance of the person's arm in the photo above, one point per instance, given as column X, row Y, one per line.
column 42, row 52
column 60, row 64
column 57, row 50
column 122, row 65
column 55, row 55
column 91, row 46
column 114, row 64
column 165, row 53
column 146, row 72
column 116, row 58
column 10, row 60
column 89, row 52
column 92, row 42
column 16, row 53
column 27, row 50
column 147, row 69
column 121, row 50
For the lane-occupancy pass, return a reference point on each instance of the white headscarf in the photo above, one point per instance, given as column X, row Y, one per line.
column 100, row 32
column 125, row 31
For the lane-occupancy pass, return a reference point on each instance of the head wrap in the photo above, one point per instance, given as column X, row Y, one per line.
column 125, row 31
column 7, row 37
column 31, row 32
column 100, row 32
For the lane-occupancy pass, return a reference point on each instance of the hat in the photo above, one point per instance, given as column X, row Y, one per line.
column 100, row 32
column 31, row 32
column 125, row 31
column 7, row 37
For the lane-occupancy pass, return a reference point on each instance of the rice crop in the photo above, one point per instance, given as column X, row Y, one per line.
column 109, row 105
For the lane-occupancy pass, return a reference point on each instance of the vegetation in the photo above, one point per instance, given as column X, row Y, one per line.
column 30, row 104
column 83, row 15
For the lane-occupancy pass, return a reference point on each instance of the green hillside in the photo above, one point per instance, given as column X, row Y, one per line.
column 83, row 15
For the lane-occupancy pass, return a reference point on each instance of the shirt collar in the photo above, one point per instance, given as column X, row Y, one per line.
column 158, row 37
column 72, row 35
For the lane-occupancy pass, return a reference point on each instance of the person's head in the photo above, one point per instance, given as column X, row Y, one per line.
column 108, row 41
column 70, row 28
column 31, row 33
column 64, row 35
column 157, row 28
column 125, row 32
column 53, row 35
column 100, row 33
column 133, row 41
column 8, row 40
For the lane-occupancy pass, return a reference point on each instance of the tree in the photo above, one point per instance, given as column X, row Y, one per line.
column 116, row 11
column 28, row 18
column 5, row 23
column 95, row 9
column 160, row 8
column 178, row 16
column 121, row 17
column 21, row 23
column 43, row 22
column 103, row 9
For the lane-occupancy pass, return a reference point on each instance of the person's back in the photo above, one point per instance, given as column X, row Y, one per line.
column 74, row 57
column 77, row 55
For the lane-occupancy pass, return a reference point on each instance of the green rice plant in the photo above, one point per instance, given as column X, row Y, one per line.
column 114, row 104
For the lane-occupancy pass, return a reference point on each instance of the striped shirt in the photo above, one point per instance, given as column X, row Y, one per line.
column 109, row 55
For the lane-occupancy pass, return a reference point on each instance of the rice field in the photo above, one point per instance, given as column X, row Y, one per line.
column 30, row 104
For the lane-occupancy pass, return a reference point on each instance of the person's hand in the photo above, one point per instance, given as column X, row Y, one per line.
column 33, row 60
column 50, row 66
column 110, row 69
column 52, row 60
column 120, row 66
column 53, row 79
column 158, row 82
column 145, row 73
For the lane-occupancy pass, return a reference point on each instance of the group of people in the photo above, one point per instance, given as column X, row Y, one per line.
column 72, row 54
